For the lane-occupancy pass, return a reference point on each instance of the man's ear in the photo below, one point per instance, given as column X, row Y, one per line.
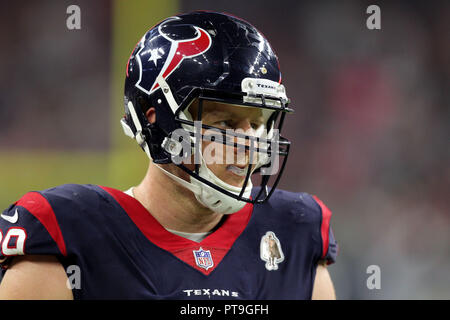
column 151, row 115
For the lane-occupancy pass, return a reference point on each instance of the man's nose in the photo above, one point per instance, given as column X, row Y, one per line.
column 244, row 128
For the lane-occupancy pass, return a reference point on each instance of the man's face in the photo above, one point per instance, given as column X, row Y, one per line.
column 229, row 163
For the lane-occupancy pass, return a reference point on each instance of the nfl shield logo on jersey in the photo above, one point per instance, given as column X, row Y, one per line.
column 203, row 258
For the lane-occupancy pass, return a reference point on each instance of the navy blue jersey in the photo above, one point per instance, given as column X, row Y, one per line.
column 266, row 251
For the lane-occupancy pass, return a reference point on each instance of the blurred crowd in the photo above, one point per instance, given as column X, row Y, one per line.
column 54, row 82
column 370, row 131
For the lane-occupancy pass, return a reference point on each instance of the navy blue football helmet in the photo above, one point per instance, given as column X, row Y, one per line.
column 205, row 56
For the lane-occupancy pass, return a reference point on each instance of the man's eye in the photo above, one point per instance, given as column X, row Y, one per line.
column 256, row 125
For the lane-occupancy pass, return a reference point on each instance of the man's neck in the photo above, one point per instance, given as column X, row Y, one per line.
column 174, row 206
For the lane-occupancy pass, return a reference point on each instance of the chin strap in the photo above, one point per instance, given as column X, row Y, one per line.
column 209, row 197
column 194, row 188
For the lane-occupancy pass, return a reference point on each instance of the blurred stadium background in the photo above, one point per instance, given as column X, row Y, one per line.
column 370, row 132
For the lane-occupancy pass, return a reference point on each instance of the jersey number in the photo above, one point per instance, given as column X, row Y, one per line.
column 14, row 242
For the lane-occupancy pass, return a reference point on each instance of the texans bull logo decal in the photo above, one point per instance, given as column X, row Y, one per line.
column 168, row 54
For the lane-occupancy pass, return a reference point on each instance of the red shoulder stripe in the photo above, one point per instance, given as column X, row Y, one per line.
column 325, row 226
column 39, row 207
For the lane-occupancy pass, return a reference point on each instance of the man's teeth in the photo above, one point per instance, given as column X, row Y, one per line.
column 238, row 171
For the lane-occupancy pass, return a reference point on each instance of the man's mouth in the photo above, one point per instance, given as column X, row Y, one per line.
column 238, row 171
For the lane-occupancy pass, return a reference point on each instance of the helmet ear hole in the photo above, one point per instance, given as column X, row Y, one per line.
column 151, row 115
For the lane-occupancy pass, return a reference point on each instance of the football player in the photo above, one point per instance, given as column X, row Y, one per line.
column 204, row 99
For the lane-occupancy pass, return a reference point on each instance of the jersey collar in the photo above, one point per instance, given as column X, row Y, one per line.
column 218, row 242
